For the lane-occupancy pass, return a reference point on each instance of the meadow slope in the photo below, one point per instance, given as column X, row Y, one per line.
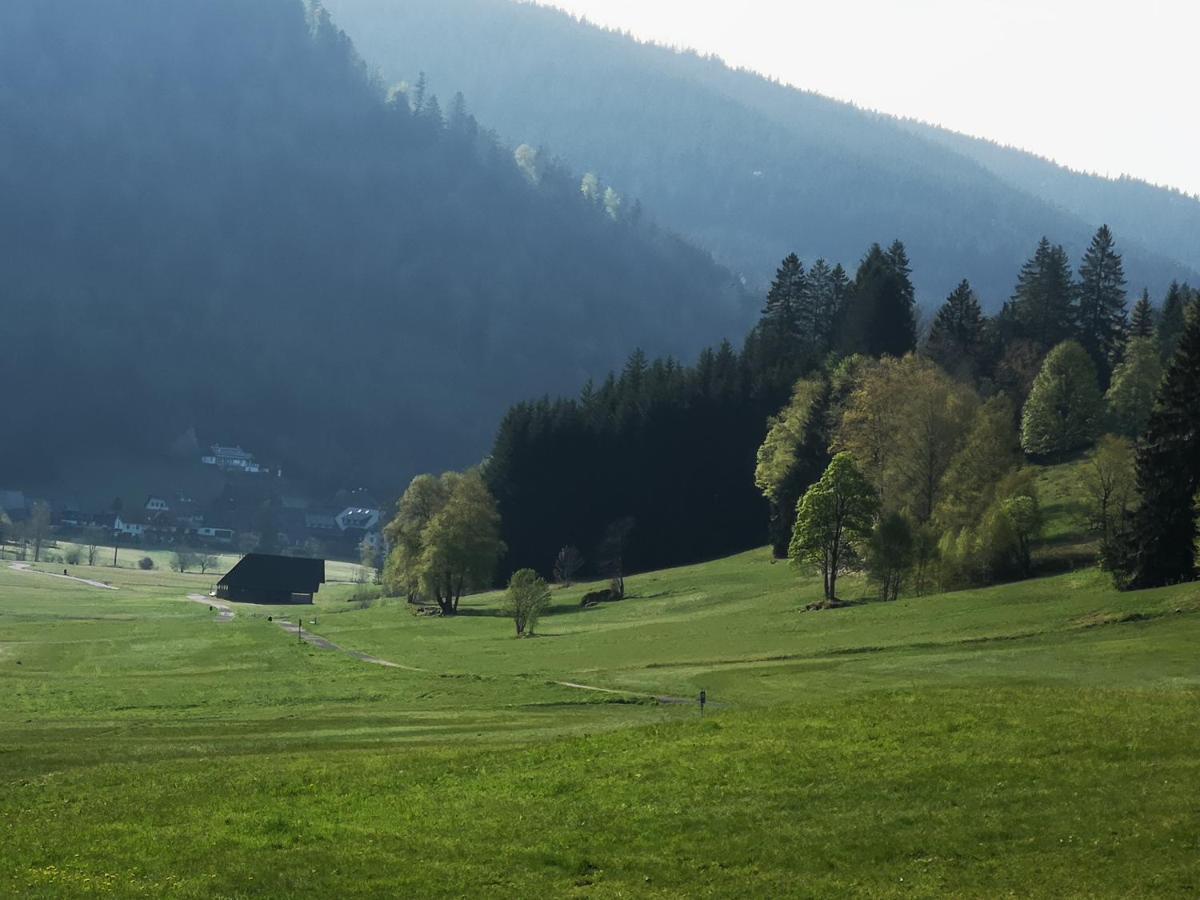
column 1032, row 739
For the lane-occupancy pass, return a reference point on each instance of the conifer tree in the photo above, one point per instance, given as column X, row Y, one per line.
column 1042, row 308
column 879, row 317
column 1159, row 547
column 956, row 340
column 823, row 299
column 1141, row 325
column 1101, row 313
column 1172, row 320
column 780, row 339
column 898, row 256
column 1064, row 409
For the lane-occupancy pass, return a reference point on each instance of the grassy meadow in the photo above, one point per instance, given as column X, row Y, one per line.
column 1034, row 739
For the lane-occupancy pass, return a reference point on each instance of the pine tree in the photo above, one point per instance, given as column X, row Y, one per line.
column 1172, row 320
column 1101, row 313
column 420, row 90
column 898, row 256
column 785, row 300
column 824, row 299
column 879, row 316
column 1141, row 325
column 1042, row 308
column 780, row 345
column 956, row 340
column 1160, row 545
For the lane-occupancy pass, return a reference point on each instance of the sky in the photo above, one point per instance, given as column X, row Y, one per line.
column 1103, row 86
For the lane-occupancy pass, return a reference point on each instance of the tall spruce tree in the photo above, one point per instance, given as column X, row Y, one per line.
column 779, row 344
column 1101, row 315
column 824, row 298
column 956, row 340
column 1141, row 325
column 1042, row 308
column 879, row 316
column 898, row 256
column 1159, row 546
column 785, row 300
column 1172, row 320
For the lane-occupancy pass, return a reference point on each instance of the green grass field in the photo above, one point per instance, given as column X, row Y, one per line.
column 1036, row 739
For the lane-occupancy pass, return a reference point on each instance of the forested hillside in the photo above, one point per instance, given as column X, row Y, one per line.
column 751, row 169
column 213, row 218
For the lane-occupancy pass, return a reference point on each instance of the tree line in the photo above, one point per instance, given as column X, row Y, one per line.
column 711, row 459
column 846, row 442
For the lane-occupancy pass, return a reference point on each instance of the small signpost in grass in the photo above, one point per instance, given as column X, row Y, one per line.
column 703, row 700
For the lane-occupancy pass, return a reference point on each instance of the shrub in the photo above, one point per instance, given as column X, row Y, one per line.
column 527, row 596
column 73, row 556
column 145, row 564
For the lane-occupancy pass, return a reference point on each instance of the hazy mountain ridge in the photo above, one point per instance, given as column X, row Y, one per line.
column 1168, row 218
column 748, row 167
column 213, row 219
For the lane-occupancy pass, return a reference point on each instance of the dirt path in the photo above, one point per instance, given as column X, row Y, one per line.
column 325, row 644
column 321, row 643
column 660, row 698
column 225, row 612
column 29, row 570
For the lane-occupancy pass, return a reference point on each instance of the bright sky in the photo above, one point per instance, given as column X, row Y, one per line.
column 1107, row 86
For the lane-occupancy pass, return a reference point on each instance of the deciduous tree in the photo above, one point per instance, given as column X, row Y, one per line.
column 424, row 498
column 460, row 545
column 1134, row 386
column 1109, row 483
column 93, row 538
column 833, row 518
column 182, row 559
column 567, row 564
column 38, row 527
column 990, row 451
column 903, row 423
column 791, row 457
column 1065, row 408
column 890, row 554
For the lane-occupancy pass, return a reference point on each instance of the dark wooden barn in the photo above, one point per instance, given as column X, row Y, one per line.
column 262, row 578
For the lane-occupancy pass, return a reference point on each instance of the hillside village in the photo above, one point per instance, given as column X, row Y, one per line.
column 255, row 510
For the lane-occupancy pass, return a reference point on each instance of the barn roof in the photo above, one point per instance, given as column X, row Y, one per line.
column 262, row 571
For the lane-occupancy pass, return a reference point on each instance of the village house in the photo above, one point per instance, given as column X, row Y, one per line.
column 131, row 525
column 232, row 459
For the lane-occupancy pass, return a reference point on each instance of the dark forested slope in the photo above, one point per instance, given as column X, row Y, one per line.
column 211, row 217
column 748, row 168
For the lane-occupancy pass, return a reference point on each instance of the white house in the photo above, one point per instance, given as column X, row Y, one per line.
column 156, row 506
column 231, row 459
column 357, row 517
column 215, row 535
column 130, row 525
